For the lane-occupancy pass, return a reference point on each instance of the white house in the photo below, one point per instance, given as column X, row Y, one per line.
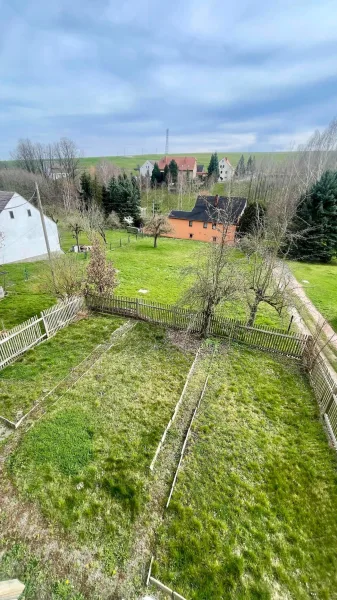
column 226, row 171
column 147, row 168
column 21, row 230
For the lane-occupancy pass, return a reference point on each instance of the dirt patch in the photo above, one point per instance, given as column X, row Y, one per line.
column 184, row 340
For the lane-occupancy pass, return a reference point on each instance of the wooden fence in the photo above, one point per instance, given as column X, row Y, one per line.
column 21, row 338
column 325, row 390
column 61, row 314
column 266, row 338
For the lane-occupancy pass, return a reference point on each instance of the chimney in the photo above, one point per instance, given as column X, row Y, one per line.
column 216, row 200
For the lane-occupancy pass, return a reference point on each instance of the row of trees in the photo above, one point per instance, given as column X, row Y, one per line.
column 245, row 170
column 42, row 158
column 169, row 175
column 121, row 195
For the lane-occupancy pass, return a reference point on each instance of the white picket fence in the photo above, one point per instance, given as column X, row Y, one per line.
column 21, row 338
column 59, row 316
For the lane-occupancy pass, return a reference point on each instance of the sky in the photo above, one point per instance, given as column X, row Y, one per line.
column 112, row 76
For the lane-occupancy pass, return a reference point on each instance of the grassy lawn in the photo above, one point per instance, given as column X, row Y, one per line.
column 86, row 462
column 40, row 369
column 320, row 285
column 254, row 513
column 140, row 266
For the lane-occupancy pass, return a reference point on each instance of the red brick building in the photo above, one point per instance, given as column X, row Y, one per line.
column 201, row 222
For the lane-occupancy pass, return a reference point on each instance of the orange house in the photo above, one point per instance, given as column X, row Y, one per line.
column 202, row 224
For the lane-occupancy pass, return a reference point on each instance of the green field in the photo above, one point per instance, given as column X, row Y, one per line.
column 133, row 162
column 86, row 463
column 140, row 267
column 320, row 284
column 254, row 513
column 38, row 371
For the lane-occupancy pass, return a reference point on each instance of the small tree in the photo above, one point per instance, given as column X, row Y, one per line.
column 76, row 222
column 95, row 222
column 251, row 218
column 213, row 167
column 86, row 191
column 65, row 278
column 173, row 169
column 240, row 170
column 156, row 176
column 156, row 226
column 166, row 174
column 112, row 221
column 101, row 275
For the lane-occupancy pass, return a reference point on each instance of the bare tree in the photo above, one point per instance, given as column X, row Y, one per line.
column 67, row 155
column 156, row 226
column 40, row 158
column 105, row 170
column 95, row 221
column 77, row 223
column 217, row 274
column 101, row 275
column 67, row 278
column 113, row 221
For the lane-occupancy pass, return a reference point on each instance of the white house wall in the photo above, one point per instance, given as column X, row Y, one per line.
column 23, row 235
column 146, row 169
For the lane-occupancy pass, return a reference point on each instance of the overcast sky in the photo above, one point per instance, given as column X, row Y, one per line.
column 112, row 76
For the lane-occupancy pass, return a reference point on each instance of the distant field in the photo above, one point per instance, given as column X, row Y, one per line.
column 132, row 162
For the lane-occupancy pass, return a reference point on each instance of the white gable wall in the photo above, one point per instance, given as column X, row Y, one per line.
column 23, row 235
column 146, row 169
column 226, row 171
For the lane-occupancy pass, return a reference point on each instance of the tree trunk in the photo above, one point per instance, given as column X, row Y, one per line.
column 155, row 241
column 253, row 312
column 207, row 314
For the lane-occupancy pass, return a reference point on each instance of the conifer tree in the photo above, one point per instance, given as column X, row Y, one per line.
column 166, row 172
column 156, row 176
column 213, row 167
column 86, row 193
column 316, row 222
column 106, row 201
column 240, row 170
column 173, row 168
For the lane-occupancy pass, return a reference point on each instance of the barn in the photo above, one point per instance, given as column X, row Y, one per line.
column 21, row 233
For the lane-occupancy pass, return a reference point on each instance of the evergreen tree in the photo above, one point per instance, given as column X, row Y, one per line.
column 316, row 222
column 249, row 166
column 252, row 216
column 173, row 168
column 166, row 172
column 96, row 191
column 213, row 167
column 240, row 170
column 86, row 193
column 156, row 176
column 114, row 196
column 106, row 202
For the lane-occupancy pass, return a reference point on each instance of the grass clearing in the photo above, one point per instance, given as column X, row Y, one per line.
column 41, row 368
column 320, row 284
column 254, row 513
column 140, row 266
column 86, row 463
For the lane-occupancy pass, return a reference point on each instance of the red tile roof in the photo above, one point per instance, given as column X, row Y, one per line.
column 185, row 163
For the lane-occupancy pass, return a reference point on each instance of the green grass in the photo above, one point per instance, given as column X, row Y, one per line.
column 140, row 266
column 87, row 461
column 132, row 162
column 321, row 287
column 254, row 513
column 41, row 368
column 18, row 562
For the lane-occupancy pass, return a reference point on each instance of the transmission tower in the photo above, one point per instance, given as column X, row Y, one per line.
column 167, row 143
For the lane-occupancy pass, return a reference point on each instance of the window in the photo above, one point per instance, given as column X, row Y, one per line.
column 214, row 239
column 191, row 235
column 29, row 212
column 213, row 225
column 205, row 225
column 190, row 223
column 11, row 214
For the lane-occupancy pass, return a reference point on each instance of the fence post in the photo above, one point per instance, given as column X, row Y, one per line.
column 137, row 307
column 45, row 324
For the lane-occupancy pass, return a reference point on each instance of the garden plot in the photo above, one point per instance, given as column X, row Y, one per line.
column 36, row 373
column 86, row 463
column 254, row 511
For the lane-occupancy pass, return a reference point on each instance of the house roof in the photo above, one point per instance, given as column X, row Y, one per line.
column 206, row 209
column 5, row 198
column 185, row 163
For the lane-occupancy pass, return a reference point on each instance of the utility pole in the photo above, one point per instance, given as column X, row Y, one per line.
column 45, row 231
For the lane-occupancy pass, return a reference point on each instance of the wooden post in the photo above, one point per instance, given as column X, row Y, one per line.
column 11, row 589
column 43, row 223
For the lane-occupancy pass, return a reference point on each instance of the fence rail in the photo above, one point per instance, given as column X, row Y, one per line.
column 28, row 334
column 273, row 340
column 325, row 390
column 61, row 314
